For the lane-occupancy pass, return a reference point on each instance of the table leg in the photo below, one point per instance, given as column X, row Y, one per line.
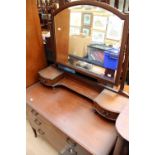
column 121, row 147
column 35, row 132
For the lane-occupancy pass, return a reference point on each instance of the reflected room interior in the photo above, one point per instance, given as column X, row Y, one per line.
column 79, row 77
column 90, row 37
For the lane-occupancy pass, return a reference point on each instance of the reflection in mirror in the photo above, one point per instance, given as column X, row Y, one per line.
column 90, row 37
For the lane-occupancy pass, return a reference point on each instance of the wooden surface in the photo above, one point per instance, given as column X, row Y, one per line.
column 61, row 37
column 116, row 3
column 51, row 76
column 50, row 72
column 74, row 116
column 111, row 101
column 121, row 147
column 93, row 3
column 61, row 21
column 53, row 135
column 79, row 87
column 122, row 123
column 35, row 58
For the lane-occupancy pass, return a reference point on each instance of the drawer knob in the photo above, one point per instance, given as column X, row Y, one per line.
column 34, row 112
column 71, row 142
column 37, row 122
column 72, row 151
column 68, row 150
column 41, row 132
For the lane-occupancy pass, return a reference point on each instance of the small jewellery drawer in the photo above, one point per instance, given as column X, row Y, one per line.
column 106, row 113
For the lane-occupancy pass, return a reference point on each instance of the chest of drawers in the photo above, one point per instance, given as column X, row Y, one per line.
column 61, row 142
column 68, row 121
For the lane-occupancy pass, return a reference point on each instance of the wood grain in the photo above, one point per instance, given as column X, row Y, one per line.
column 35, row 58
column 74, row 116
column 52, row 134
column 62, row 36
column 79, row 87
column 50, row 72
column 122, row 123
column 51, row 76
column 111, row 101
column 61, row 40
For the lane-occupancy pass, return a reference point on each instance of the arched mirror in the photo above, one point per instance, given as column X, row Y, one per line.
column 90, row 38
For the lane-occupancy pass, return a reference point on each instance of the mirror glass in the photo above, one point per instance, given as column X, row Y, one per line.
column 88, row 38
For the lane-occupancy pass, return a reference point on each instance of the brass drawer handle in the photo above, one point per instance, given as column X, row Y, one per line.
column 41, row 132
column 72, row 151
column 37, row 122
column 34, row 112
column 68, row 150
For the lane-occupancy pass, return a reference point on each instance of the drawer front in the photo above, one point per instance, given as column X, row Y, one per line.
column 72, row 148
column 47, row 130
column 81, row 151
column 62, row 143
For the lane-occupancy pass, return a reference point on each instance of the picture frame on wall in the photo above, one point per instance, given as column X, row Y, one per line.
column 98, row 37
column 100, row 23
column 87, row 19
column 114, row 28
column 86, row 31
column 75, row 30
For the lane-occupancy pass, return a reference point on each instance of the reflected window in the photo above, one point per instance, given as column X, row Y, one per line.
column 93, row 41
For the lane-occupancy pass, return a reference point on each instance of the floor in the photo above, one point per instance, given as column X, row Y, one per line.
column 41, row 146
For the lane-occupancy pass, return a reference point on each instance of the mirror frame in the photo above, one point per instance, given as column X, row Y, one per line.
column 125, row 32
